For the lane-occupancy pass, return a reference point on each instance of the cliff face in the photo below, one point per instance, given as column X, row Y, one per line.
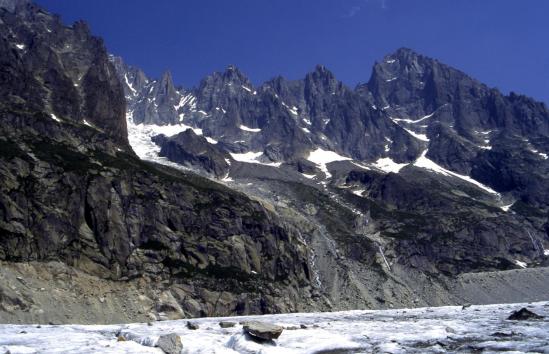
column 72, row 190
column 62, row 71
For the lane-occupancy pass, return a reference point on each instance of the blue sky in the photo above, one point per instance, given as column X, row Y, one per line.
column 503, row 43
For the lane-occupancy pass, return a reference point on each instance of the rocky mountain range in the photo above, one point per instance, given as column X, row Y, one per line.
column 153, row 201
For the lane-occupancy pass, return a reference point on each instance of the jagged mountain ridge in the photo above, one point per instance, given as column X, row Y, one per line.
column 412, row 106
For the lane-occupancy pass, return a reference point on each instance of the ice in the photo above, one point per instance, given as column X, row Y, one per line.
column 386, row 164
column 424, row 162
column 447, row 329
column 322, row 157
column 248, row 129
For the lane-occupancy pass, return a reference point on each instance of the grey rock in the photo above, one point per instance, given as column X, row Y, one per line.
column 170, row 343
column 227, row 324
column 192, row 325
column 262, row 330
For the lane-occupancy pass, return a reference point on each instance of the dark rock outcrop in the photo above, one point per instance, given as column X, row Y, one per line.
column 524, row 315
column 58, row 70
column 189, row 149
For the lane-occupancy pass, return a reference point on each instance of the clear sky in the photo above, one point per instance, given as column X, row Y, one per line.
column 504, row 43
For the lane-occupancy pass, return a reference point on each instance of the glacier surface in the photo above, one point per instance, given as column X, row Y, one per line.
column 482, row 328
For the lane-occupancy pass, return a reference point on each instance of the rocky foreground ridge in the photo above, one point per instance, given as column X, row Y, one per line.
column 404, row 191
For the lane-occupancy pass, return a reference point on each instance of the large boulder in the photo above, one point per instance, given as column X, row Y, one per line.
column 262, row 330
column 170, row 343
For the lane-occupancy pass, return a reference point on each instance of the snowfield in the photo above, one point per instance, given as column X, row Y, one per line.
column 423, row 330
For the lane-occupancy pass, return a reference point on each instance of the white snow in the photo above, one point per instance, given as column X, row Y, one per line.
column 521, row 264
column 20, row 46
column 293, row 109
column 250, row 156
column 386, row 107
column 390, row 61
column 308, row 176
column 307, row 121
column 424, row 162
column 410, row 121
column 186, row 100
column 507, row 207
column 420, row 330
column 386, row 164
column 54, row 117
column 322, row 157
column 88, row 123
column 541, row 154
column 358, row 192
column 139, row 136
column 247, row 89
column 546, row 252
column 248, row 129
column 306, row 130
column 388, row 145
column 134, row 91
column 421, row 137
column 391, row 79
column 253, row 157
column 211, row 140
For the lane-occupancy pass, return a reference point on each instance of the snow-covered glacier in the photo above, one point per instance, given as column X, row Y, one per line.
column 483, row 328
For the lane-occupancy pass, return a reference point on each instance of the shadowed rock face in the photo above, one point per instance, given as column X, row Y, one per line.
column 59, row 70
column 187, row 148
